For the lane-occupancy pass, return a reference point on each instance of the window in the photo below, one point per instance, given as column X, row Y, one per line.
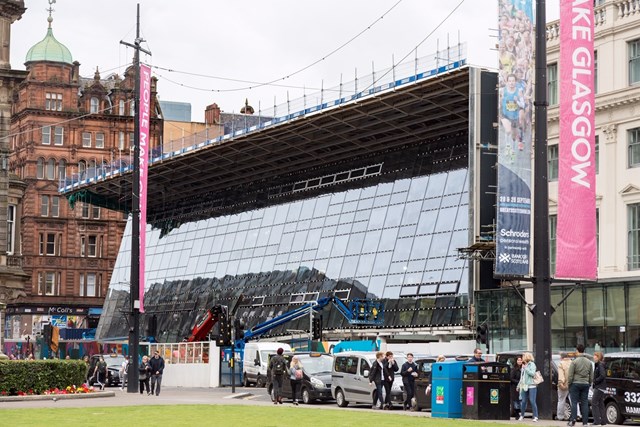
column 634, row 62
column 90, row 211
column 633, row 239
column 121, row 141
column 49, row 283
column 553, row 229
column 59, row 135
column 90, row 285
column 91, row 169
column 51, row 169
column 90, row 246
column 55, row 206
column 44, row 205
column 121, row 109
column 99, row 140
column 132, row 140
column 552, row 83
column 82, row 169
column 46, row 135
column 595, row 71
column 62, row 170
column 53, row 102
column 11, row 228
column 597, row 154
column 86, row 139
column 633, row 138
column 49, row 244
column 40, row 168
column 95, row 105
column 552, row 162
column 132, row 108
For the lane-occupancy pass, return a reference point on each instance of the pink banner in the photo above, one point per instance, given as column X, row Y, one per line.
column 576, row 256
column 144, row 105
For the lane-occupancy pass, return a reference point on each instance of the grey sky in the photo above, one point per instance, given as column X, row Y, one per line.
column 256, row 40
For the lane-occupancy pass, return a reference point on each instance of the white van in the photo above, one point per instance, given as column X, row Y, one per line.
column 255, row 361
column 350, row 378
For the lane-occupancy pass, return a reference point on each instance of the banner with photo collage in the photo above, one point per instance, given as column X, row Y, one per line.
column 515, row 108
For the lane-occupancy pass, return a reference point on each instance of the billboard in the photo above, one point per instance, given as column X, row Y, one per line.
column 144, row 117
column 515, row 107
column 576, row 252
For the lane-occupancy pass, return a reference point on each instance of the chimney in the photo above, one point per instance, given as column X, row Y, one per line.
column 212, row 115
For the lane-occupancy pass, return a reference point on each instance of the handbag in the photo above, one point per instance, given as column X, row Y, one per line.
column 537, row 378
column 299, row 374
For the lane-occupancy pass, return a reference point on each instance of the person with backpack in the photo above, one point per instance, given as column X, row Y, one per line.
column 100, row 372
column 277, row 366
column 295, row 376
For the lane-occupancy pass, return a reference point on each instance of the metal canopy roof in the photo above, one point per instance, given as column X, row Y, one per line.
column 430, row 111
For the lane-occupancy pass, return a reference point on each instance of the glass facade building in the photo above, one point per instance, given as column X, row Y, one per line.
column 393, row 239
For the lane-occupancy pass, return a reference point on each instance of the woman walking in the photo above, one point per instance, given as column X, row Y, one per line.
column 295, row 376
column 527, row 387
column 144, row 370
column 599, row 385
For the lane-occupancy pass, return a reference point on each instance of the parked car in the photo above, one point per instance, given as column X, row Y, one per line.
column 350, row 378
column 316, row 378
column 422, row 398
column 114, row 364
column 622, row 399
column 256, row 359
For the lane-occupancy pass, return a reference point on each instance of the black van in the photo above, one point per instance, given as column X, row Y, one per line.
column 622, row 398
column 316, row 380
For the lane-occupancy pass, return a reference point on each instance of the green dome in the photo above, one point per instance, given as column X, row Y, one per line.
column 49, row 49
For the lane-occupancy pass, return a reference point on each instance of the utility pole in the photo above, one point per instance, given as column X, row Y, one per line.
column 541, row 309
column 134, row 314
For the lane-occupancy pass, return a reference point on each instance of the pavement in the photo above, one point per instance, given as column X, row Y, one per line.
column 249, row 396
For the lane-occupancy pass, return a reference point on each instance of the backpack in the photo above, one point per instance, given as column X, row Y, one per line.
column 278, row 366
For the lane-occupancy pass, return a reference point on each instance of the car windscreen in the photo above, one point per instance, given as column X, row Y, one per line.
column 316, row 364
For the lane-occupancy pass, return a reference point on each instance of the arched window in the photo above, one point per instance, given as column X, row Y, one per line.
column 91, row 172
column 51, row 169
column 121, row 109
column 95, row 105
column 82, row 169
column 40, row 168
column 62, row 170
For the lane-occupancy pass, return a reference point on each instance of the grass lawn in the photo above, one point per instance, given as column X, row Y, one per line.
column 227, row 416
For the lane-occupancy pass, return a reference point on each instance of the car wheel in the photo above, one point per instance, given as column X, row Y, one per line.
column 260, row 382
column 245, row 381
column 613, row 414
column 340, row 400
column 306, row 397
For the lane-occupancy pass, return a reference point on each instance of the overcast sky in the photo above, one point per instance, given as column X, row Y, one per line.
column 257, row 41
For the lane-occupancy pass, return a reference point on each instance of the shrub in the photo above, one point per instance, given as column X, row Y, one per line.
column 37, row 376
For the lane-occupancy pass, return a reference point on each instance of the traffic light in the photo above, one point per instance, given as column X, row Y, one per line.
column 224, row 339
column 316, row 328
column 238, row 325
column 482, row 333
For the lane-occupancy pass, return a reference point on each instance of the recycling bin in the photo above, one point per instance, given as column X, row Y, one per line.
column 486, row 391
column 446, row 389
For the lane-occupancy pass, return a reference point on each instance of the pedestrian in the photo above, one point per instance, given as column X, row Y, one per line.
column 580, row 379
column 599, row 386
column 295, row 376
column 477, row 356
column 527, row 387
column 157, row 367
column 516, row 373
column 376, row 376
column 124, row 369
column 277, row 367
column 100, row 372
column 390, row 368
column 144, row 371
column 88, row 374
column 441, row 358
column 563, row 386
column 409, row 373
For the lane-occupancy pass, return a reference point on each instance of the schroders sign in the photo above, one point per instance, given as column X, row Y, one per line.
column 515, row 80
column 576, row 232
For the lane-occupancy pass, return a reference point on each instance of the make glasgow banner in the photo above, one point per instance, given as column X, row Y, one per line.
column 576, row 252
column 515, row 107
column 144, row 105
